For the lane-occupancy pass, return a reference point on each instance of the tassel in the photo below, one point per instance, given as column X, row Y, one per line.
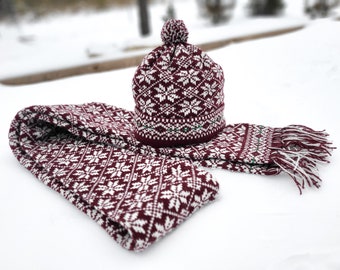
column 297, row 150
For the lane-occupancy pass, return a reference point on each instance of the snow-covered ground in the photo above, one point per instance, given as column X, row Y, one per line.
column 257, row 222
column 68, row 40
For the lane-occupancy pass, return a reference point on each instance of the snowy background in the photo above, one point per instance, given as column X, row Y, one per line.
column 257, row 222
column 68, row 40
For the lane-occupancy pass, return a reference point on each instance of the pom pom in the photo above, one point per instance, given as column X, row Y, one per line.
column 174, row 31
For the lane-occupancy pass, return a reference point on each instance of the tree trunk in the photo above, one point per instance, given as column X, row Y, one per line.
column 7, row 9
column 143, row 17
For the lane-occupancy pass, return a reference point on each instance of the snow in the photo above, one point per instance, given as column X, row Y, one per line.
column 69, row 40
column 257, row 222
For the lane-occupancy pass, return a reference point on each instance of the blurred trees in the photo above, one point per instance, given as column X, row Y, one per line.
column 7, row 9
column 217, row 10
column 42, row 7
column 170, row 11
column 265, row 7
column 319, row 8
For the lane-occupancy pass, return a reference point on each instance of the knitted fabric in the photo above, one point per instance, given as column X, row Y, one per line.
column 137, row 193
column 113, row 165
column 77, row 151
column 178, row 91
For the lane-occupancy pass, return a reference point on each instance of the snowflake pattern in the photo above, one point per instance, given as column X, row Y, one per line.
column 147, row 106
column 166, row 93
column 110, row 188
column 87, row 172
column 136, row 197
column 146, row 75
column 190, row 107
column 209, row 90
column 112, row 176
column 189, row 85
column 190, row 76
column 176, row 196
column 162, row 229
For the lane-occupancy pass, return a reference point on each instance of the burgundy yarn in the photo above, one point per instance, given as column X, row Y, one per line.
column 174, row 31
column 137, row 193
column 136, row 198
column 136, row 173
column 178, row 92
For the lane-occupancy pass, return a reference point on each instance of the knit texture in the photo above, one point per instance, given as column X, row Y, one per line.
column 137, row 193
column 77, row 151
column 178, row 92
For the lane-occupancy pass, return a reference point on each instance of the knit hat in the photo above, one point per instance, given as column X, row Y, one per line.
column 178, row 92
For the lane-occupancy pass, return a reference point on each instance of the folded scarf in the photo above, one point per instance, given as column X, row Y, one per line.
column 88, row 153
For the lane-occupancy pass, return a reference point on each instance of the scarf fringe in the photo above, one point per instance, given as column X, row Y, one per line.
column 297, row 150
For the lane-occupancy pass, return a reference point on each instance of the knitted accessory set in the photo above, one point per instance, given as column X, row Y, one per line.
column 118, row 167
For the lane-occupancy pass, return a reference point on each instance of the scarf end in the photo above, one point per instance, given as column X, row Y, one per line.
column 297, row 150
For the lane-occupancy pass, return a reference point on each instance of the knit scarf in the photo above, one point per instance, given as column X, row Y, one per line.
column 138, row 193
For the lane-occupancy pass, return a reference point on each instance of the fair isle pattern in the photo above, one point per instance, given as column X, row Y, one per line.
column 170, row 130
column 109, row 125
column 255, row 144
column 175, row 85
column 137, row 193
column 240, row 147
column 162, row 88
column 136, row 198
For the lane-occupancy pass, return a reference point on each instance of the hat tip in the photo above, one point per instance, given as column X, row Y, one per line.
column 174, row 31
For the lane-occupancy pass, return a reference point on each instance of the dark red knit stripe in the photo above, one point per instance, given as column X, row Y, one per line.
column 178, row 142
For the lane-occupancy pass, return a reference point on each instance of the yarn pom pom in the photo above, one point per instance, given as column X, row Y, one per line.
column 174, row 31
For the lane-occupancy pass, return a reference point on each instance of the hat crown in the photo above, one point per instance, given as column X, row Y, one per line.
column 174, row 31
column 178, row 92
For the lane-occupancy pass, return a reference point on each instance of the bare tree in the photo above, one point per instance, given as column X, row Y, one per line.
column 170, row 11
column 265, row 7
column 217, row 10
column 319, row 8
column 143, row 17
column 7, row 9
